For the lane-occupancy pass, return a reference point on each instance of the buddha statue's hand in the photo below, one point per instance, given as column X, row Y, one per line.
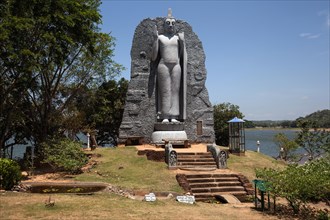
column 155, row 32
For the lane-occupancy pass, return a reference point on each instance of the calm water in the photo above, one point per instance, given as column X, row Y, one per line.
column 265, row 136
column 19, row 150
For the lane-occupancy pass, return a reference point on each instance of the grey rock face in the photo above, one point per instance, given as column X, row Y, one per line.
column 140, row 113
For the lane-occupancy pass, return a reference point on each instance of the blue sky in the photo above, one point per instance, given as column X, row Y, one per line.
column 271, row 58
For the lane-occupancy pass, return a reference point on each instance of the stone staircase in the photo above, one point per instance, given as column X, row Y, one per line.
column 207, row 187
column 195, row 160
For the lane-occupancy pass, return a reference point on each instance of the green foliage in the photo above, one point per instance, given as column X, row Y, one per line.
column 249, row 124
column 50, row 51
column 10, row 173
column 103, row 109
column 320, row 119
column 314, row 141
column 222, row 114
column 64, row 155
column 274, row 124
column 286, row 146
column 299, row 184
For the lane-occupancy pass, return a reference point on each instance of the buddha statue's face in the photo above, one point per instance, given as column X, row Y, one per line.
column 169, row 25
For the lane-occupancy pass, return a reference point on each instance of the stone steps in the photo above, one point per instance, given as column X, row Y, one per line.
column 197, row 159
column 207, row 186
column 207, row 189
column 196, row 163
column 213, row 180
column 214, row 184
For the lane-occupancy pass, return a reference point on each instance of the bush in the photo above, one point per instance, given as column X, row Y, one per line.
column 64, row 155
column 300, row 184
column 10, row 173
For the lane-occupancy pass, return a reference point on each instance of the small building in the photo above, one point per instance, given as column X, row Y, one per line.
column 236, row 136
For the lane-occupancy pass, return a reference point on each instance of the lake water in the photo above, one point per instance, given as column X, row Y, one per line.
column 265, row 136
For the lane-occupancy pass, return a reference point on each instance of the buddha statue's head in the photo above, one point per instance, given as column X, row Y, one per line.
column 169, row 23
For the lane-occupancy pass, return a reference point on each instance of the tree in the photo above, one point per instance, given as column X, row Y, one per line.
column 314, row 141
column 103, row 110
column 320, row 119
column 299, row 184
column 49, row 51
column 64, row 155
column 286, row 146
column 222, row 114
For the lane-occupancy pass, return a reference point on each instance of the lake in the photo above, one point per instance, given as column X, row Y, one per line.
column 265, row 136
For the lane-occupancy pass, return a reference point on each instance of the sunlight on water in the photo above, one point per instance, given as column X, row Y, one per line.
column 266, row 138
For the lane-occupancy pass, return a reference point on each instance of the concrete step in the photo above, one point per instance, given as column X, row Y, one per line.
column 211, row 180
column 214, row 184
column 194, row 153
column 218, row 189
column 179, row 163
column 196, row 166
column 195, row 159
column 206, row 186
column 206, row 175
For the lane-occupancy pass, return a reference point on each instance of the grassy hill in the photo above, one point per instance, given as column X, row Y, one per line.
column 122, row 167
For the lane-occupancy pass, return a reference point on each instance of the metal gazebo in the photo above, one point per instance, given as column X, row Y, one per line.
column 236, row 136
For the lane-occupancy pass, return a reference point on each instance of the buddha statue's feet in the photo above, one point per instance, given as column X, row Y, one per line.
column 175, row 121
column 165, row 121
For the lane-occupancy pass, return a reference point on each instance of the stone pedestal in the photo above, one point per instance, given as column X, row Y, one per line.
column 168, row 131
column 157, row 137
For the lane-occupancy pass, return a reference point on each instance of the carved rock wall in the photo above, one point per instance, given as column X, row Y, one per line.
column 140, row 108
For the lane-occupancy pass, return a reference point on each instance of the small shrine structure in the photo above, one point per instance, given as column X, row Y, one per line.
column 236, row 136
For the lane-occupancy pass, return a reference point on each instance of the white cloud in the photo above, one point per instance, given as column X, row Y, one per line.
column 309, row 35
column 325, row 13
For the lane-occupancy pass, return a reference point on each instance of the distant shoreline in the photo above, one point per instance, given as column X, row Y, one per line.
column 271, row 128
column 279, row 129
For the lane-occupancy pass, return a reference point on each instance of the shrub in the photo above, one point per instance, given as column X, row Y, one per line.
column 10, row 173
column 300, row 184
column 64, row 155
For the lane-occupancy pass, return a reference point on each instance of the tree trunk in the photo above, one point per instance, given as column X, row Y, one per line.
column 93, row 142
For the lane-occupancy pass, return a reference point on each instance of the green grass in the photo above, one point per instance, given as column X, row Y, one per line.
column 123, row 167
column 252, row 160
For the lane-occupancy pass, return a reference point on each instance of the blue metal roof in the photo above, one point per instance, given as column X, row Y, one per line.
column 235, row 120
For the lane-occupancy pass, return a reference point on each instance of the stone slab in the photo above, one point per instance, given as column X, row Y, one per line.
column 229, row 198
column 169, row 126
column 151, row 197
column 186, row 199
column 159, row 136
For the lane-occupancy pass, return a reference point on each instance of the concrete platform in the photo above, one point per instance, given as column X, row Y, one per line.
column 194, row 148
